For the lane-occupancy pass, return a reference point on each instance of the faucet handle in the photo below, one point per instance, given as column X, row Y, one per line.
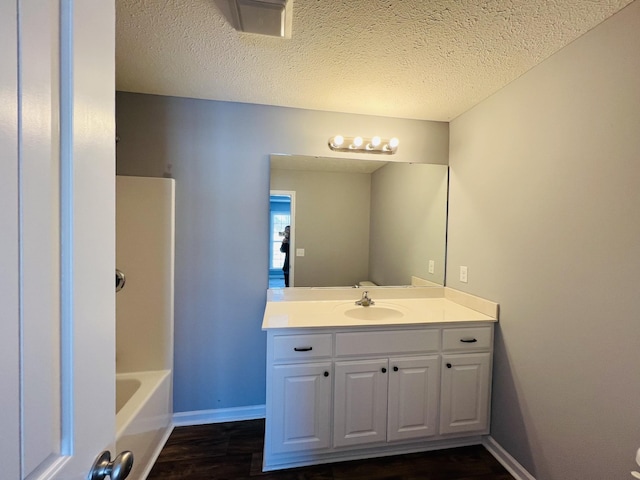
column 365, row 301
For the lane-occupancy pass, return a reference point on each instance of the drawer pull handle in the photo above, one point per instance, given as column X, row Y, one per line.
column 395, row 369
column 448, row 365
column 303, row 349
column 468, row 340
column 326, row 374
column 384, row 370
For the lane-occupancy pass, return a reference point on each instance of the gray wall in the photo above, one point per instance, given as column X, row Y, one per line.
column 219, row 154
column 408, row 223
column 331, row 224
column 544, row 210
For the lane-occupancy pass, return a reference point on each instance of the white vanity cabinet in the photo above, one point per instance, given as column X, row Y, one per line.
column 300, row 420
column 390, row 392
column 466, row 380
column 360, row 402
column 385, row 400
column 413, row 397
column 465, row 393
column 299, row 388
column 347, row 393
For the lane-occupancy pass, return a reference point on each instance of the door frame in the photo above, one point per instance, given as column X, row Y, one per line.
column 9, row 246
column 292, row 227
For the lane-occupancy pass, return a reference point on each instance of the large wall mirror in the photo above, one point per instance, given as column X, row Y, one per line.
column 364, row 220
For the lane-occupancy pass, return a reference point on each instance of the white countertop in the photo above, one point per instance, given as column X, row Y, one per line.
column 283, row 312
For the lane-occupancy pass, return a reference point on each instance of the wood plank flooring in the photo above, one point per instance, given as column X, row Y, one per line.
column 233, row 451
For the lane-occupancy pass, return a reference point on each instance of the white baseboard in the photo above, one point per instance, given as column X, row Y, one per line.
column 507, row 461
column 218, row 415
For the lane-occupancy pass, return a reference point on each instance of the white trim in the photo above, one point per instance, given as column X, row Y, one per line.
column 218, row 415
column 156, row 453
column 507, row 461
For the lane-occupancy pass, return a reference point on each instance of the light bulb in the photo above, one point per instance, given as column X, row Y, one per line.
column 338, row 140
column 375, row 141
column 394, row 142
column 357, row 142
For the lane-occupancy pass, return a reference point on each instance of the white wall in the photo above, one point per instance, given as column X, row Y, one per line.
column 544, row 210
column 220, row 159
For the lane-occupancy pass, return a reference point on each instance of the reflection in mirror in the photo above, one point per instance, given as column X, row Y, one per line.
column 280, row 209
column 365, row 220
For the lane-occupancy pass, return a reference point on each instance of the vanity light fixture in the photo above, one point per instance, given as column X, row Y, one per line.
column 337, row 141
column 375, row 144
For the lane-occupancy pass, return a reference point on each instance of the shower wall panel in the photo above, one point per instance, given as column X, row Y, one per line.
column 145, row 254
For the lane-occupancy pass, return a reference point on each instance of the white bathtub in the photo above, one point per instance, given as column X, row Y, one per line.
column 143, row 417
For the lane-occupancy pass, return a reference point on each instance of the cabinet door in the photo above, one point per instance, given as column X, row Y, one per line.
column 464, row 400
column 413, row 397
column 360, row 408
column 300, row 407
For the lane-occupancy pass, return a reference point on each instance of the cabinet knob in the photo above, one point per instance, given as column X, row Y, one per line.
column 448, row 365
column 326, row 374
column 384, row 370
column 395, row 369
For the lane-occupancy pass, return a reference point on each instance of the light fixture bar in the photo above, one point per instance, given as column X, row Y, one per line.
column 359, row 144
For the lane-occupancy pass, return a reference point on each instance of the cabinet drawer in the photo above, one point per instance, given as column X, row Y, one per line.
column 461, row 339
column 301, row 347
column 387, row 343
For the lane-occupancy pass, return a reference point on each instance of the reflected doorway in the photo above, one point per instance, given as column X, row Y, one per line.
column 281, row 215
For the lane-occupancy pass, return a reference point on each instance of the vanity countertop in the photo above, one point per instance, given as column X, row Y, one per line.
column 317, row 308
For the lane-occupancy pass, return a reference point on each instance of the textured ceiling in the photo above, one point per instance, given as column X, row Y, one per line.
column 429, row 59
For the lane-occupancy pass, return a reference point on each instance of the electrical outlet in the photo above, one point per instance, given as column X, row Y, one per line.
column 432, row 266
column 299, row 252
column 463, row 274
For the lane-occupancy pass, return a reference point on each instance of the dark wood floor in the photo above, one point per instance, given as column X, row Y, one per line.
column 233, row 451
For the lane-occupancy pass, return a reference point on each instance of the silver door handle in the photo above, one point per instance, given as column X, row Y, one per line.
column 119, row 469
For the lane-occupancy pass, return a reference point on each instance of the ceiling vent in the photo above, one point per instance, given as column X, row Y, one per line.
column 263, row 17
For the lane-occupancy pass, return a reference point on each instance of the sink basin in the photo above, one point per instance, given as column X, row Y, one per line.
column 377, row 311
column 373, row 313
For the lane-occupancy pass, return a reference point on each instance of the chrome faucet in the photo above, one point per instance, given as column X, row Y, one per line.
column 365, row 301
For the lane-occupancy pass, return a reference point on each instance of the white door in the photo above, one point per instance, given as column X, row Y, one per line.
column 57, row 247
column 301, row 407
column 464, row 401
column 360, row 407
column 414, row 386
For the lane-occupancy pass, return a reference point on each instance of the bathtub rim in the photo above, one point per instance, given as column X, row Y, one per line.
column 150, row 382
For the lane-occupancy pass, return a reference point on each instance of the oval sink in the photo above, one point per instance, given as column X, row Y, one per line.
column 378, row 311
column 373, row 313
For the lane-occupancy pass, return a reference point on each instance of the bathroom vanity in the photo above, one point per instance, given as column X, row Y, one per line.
column 412, row 372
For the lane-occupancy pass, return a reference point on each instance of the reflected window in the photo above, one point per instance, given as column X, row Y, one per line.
column 278, row 222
